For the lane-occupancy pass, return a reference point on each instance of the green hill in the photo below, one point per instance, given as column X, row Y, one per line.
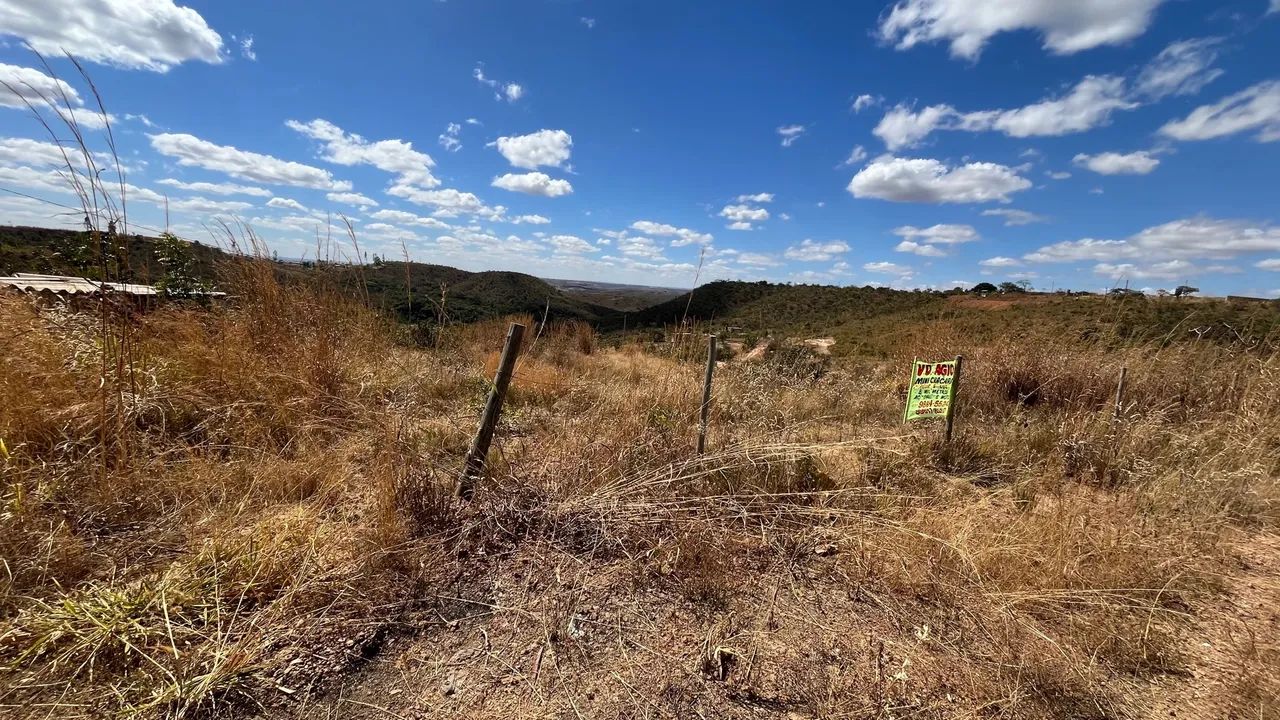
column 468, row 296
column 783, row 308
column 869, row 320
column 68, row 252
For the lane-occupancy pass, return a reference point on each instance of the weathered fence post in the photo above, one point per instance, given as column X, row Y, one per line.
column 1124, row 371
column 489, row 419
column 706, row 393
column 955, row 391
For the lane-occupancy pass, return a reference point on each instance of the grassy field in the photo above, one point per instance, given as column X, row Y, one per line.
column 247, row 511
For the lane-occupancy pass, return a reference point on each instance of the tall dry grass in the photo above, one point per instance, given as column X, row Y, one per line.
column 277, row 485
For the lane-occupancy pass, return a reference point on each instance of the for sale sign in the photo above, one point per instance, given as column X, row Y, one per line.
column 933, row 388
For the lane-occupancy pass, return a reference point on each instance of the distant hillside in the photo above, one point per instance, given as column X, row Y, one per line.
column 868, row 320
column 627, row 298
column 65, row 252
column 863, row 320
column 468, row 296
column 792, row 309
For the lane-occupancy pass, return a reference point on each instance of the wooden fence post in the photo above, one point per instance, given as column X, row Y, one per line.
column 489, row 419
column 706, row 393
column 1124, row 371
column 955, row 392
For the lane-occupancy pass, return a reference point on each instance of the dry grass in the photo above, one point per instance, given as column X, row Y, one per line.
column 244, row 503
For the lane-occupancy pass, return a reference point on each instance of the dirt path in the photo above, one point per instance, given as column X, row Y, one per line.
column 1235, row 650
column 822, row 346
column 757, row 352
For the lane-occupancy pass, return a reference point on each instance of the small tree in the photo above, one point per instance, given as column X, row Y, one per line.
column 76, row 252
column 1012, row 287
column 1185, row 290
column 179, row 279
column 984, row 287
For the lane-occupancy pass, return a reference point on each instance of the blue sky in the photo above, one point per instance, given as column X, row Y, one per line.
column 920, row 143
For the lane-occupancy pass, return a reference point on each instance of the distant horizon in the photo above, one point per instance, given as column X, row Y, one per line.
column 1033, row 289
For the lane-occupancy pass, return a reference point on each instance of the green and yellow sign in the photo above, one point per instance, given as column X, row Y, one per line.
column 932, row 389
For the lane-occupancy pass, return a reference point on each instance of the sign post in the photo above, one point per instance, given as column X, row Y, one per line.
column 932, row 392
column 706, row 394
column 951, row 403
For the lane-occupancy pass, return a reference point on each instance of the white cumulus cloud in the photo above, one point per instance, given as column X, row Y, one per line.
column 351, row 198
column 1182, row 68
column 545, row 147
column 1066, row 26
column 509, row 91
column 640, row 247
column 926, row 180
column 571, row 245
column 856, row 156
column 862, row 102
column 683, row 236
column 923, row 249
column 287, row 203
column 1191, row 238
column 19, row 84
column 744, row 213
column 888, row 268
column 941, row 234
column 449, row 138
column 217, row 188
column 813, row 251
column 23, row 87
column 1167, row 270
column 904, row 127
column 1000, row 262
column 205, row 206
column 790, row 134
column 25, row 151
column 447, row 202
column 529, row 220
column 135, row 34
column 534, row 183
column 1087, row 105
column 408, row 218
column 1015, row 217
column 1256, row 108
column 1112, row 163
column 394, row 156
column 191, row 151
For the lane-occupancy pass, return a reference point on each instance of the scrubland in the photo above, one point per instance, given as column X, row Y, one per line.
column 247, row 510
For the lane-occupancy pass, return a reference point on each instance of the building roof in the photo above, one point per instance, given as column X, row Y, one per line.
column 68, row 285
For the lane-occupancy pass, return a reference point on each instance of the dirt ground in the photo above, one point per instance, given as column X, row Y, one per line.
column 1234, row 640
column 558, row 634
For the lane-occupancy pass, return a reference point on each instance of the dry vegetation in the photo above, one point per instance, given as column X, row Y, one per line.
column 247, row 510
